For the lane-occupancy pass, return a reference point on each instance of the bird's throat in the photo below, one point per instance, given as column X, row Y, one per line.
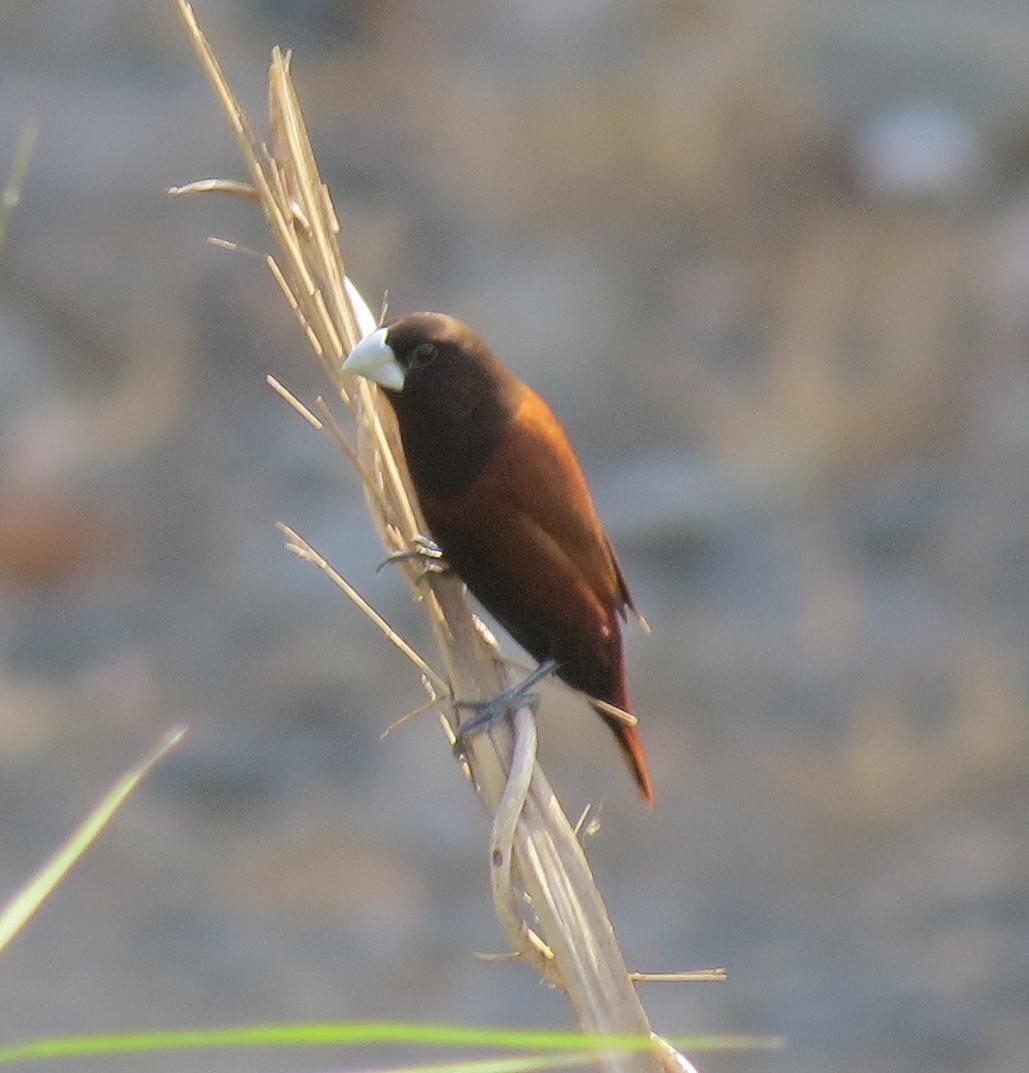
column 447, row 448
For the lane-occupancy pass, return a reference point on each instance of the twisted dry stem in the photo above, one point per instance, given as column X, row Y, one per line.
column 534, row 852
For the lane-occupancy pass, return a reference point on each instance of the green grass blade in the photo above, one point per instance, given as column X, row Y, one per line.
column 365, row 1033
column 15, row 177
column 15, row 914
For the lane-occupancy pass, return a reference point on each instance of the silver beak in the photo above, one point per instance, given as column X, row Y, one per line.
column 373, row 358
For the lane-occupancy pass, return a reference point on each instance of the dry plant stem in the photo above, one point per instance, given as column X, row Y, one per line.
column 690, row 976
column 300, row 547
column 533, row 847
column 288, row 397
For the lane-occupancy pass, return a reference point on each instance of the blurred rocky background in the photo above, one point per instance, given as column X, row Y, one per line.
column 769, row 260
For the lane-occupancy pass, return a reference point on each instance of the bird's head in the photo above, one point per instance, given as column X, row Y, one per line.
column 452, row 398
column 437, row 372
column 416, row 351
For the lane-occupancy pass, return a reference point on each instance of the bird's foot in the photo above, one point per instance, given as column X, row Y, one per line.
column 489, row 712
column 423, row 549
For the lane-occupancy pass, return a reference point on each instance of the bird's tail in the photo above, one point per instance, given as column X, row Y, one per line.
column 632, row 749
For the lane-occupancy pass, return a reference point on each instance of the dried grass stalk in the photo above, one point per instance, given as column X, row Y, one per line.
column 535, row 857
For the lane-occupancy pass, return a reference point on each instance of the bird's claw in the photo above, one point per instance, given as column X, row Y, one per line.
column 422, row 548
column 490, row 712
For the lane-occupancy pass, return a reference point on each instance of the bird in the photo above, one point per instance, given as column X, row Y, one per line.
column 507, row 503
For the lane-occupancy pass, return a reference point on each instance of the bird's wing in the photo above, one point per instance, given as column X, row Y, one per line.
column 623, row 589
column 557, row 501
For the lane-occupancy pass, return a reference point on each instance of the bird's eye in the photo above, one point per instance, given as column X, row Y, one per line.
column 423, row 354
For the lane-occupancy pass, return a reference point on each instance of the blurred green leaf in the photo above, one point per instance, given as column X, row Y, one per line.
column 15, row 177
column 570, row 1044
column 16, row 913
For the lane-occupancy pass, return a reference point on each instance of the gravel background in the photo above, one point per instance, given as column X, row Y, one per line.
column 770, row 263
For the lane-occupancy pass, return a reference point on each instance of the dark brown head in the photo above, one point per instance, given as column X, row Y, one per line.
column 452, row 397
